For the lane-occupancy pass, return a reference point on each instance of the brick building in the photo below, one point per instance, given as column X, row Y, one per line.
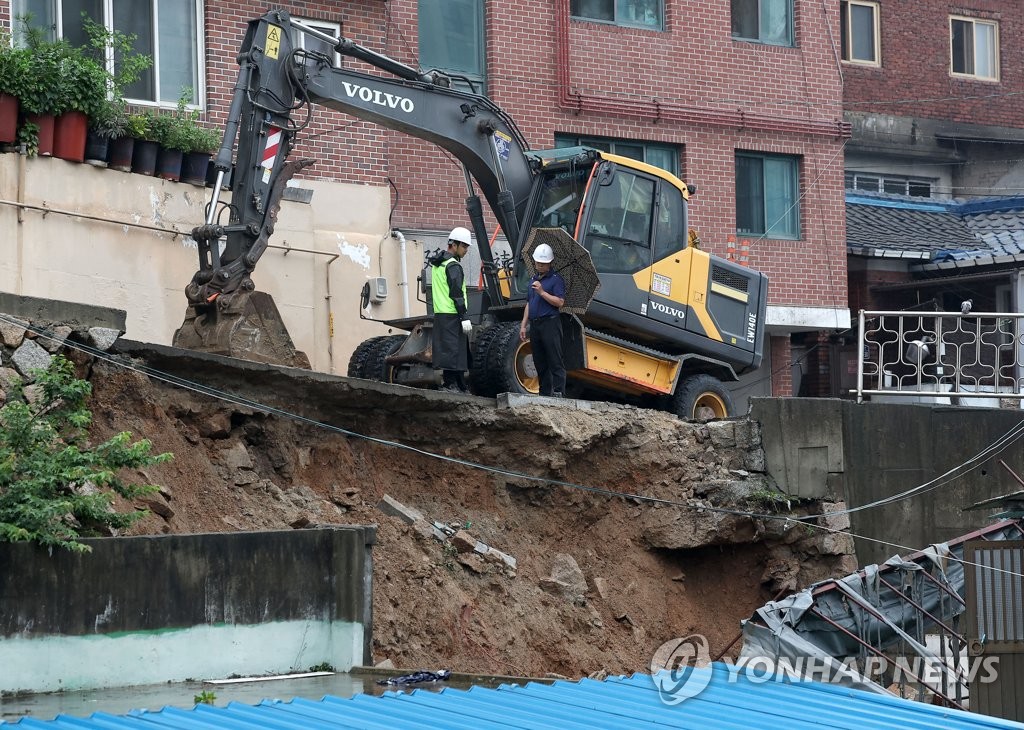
column 740, row 98
column 931, row 90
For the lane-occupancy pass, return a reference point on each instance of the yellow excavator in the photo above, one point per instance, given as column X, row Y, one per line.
column 668, row 327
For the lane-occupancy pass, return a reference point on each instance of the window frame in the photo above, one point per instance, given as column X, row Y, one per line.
column 791, row 25
column 474, row 82
column 199, row 87
column 846, row 28
column 660, row 27
column 793, row 207
column 973, row 23
column 299, row 40
column 607, row 144
column 851, row 179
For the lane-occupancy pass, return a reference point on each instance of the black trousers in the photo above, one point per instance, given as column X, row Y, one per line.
column 546, row 342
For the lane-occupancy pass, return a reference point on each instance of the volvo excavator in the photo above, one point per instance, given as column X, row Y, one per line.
column 668, row 327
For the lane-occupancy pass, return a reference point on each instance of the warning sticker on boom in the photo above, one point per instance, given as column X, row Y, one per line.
column 273, row 41
column 502, row 143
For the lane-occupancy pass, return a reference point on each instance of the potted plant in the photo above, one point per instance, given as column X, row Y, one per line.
column 41, row 93
column 83, row 94
column 110, row 122
column 202, row 142
column 143, row 128
column 13, row 72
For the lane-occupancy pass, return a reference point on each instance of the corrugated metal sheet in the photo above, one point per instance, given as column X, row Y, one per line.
column 732, row 701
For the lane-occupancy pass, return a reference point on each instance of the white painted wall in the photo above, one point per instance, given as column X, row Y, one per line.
column 110, row 263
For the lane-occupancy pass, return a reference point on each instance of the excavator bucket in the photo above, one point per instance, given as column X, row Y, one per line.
column 249, row 328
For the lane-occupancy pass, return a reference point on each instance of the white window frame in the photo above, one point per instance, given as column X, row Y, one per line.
column 324, row 26
column 974, row 22
column 108, row 14
column 848, row 33
column 565, row 139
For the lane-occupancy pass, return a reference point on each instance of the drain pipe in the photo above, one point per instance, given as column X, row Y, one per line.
column 404, row 275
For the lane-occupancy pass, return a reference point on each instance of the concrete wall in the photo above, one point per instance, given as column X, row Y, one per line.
column 861, row 453
column 116, row 262
column 133, row 610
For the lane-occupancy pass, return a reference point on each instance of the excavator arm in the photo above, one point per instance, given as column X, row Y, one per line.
column 277, row 86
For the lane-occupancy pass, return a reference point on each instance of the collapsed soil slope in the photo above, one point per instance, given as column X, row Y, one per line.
column 600, row 581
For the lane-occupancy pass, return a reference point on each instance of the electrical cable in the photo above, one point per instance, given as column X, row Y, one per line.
column 225, row 396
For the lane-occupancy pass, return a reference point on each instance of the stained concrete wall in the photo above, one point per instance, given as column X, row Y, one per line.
column 862, row 453
column 142, row 610
column 109, row 254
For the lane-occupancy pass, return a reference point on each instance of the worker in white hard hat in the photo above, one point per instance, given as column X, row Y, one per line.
column 451, row 315
column 544, row 299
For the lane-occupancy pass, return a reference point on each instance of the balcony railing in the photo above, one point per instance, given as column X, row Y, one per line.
column 941, row 354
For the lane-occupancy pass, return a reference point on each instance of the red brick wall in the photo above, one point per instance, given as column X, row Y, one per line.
column 915, row 65
column 770, row 97
column 782, row 375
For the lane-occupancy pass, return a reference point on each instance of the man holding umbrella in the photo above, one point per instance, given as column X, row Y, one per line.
column 545, row 297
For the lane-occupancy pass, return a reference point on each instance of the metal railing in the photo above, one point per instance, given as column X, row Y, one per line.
column 941, row 355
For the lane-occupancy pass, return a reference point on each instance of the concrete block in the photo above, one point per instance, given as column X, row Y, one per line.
column 78, row 316
column 498, row 556
column 391, row 506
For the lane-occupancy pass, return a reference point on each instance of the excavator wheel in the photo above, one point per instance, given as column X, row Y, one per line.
column 701, row 398
column 376, row 367
column 358, row 360
column 503, row 364
column 369, row 359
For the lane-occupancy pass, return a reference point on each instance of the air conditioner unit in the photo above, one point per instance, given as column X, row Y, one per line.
column 378, row 289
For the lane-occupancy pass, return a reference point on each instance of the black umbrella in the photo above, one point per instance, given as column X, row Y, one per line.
column 572, row 262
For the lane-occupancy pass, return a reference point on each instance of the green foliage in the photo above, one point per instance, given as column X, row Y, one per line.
column 139, row 125
column 206, row 697
column 322, row 667
column 54, row 488
column 769, row 500
column 181, row 130
column 28, row 135
column 13, row 66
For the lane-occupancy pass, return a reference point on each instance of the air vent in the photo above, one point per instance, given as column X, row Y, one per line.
column 729, row 278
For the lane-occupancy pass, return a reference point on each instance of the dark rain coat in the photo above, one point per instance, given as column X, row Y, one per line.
column 450, row 343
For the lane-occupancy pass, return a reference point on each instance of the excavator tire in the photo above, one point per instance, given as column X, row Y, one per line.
column 701, row 398
column 357, row 361
column 503, row 364
column 375, row 367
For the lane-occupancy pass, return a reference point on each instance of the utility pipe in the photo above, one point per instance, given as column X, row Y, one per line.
column 403, row 282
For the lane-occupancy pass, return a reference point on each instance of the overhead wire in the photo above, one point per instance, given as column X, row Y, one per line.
column 220, row 394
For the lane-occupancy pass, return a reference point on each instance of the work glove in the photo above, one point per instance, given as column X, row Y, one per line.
column 467, row 326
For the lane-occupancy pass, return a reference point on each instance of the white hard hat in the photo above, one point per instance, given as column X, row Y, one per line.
column 543, row 254
column 461, row 235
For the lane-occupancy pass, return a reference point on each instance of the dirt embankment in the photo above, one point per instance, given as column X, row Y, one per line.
column 600, row 581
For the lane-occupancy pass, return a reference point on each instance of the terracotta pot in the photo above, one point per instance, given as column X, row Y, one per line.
column 168, row 164
column 8, row 118
column 69, row 132
column 120, row 153
column 144, row 157
column 45, row 124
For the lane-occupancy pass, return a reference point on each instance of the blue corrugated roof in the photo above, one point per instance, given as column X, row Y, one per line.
column 734, row 700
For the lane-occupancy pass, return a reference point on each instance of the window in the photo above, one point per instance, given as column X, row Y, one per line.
column 166, row 30
column 318, row 45
column 618, row 235
column 766, row 21
column 858, row 26
column 639, row 13
column 451, row 36
column 767, row 195
column 974, row 47
column 893, row 184
column 663, row 156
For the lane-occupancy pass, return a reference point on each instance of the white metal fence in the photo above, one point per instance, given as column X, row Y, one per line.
column 941, row 356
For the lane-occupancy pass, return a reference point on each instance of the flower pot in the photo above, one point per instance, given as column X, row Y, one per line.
column 45, row 124
column 193, row 168
column 168, row 164
column 120, row 153
column 69, row 132
column 144, row 157
column 96, row 149
column 8, row 118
